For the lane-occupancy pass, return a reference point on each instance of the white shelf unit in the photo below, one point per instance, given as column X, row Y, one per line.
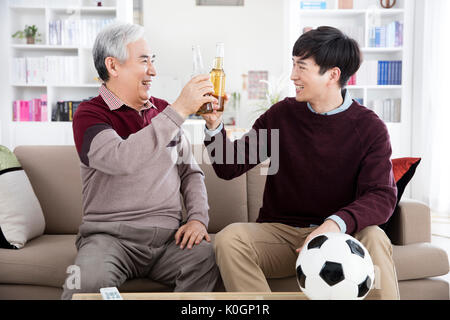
column 365, row 14
column 40, row 13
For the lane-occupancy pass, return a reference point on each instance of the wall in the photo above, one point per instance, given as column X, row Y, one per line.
column 4, row 80
column 254, row 37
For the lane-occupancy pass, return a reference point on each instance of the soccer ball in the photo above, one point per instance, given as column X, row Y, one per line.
column 335, row 266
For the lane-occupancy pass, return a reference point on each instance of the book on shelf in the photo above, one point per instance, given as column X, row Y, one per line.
column 62, row 69
column 359, row 100
column 373, row 72
column 19, row 70
column 387, row 36
column 30, row 110
column 64, row 111
column 35, row 70
column 309, row 5
column 389, row 110
column 352, row 80
column 44, row 112
column 345, row 4
column 70, row 32
column 389, row 73
column 46, row 70
column 49, row 3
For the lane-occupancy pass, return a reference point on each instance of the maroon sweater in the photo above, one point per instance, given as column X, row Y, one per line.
column 128, row 166
column 328, row 165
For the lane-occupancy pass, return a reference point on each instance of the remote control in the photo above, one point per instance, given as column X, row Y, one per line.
column 110, row 293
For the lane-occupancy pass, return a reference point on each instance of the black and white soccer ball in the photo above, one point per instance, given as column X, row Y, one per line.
column 335, row 266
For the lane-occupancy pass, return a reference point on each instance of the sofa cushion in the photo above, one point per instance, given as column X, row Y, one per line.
column 21, row 217
column 404, row 169
column 26, row 292
column 54, row 173
column 42, row 262
column 421, row 260
column 227, row 199
column 424, row 289
column 256, row 182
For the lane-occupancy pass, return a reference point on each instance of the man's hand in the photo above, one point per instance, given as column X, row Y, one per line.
column 194, row 95
column 192, row 232
column 327, row 226
column 214, row 119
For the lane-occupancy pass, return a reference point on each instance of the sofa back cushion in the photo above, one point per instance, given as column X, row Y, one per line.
column 227, row 199
column 54, row 174
column 256, row 181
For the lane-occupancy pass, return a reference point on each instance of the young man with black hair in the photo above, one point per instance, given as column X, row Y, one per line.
column 334, row 172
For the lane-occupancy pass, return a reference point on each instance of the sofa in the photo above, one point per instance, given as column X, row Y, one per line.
column 39, row 270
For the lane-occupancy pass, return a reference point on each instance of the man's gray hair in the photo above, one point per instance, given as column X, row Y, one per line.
column 112, row 42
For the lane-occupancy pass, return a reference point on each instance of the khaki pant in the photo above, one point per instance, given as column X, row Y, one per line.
column 248, row 253
column 109, row 253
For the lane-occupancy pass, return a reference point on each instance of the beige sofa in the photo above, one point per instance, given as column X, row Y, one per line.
column 38, row 271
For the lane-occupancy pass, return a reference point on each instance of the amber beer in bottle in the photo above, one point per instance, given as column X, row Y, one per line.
column 218, row 76
column 218, row 80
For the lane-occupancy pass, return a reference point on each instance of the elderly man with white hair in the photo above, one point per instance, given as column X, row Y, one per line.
column 132, row 210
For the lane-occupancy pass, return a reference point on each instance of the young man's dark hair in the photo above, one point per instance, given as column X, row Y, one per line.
column 330, row 48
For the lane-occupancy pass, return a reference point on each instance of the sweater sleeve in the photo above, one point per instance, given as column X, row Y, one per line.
column 101, row 148
column 232, row 159
column 193, row 187
column 376, row 193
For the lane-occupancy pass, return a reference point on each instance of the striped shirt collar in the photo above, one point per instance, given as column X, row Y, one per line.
column 115, row 103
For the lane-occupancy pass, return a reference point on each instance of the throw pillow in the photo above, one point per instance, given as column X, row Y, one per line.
column 404, row 169
column 21, row 216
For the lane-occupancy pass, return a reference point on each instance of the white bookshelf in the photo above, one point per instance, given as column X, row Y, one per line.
column 40, row 13
column 364, row 15
column 41, row 47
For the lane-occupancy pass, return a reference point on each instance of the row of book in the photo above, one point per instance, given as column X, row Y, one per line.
column 388, row 36
column 49, row 3
column 46, row 70
column 321, row 5
column 389, row 110
column 373, row 72
column 30, row 110
column 71, row 32
column 310, row 5
column 65, row 110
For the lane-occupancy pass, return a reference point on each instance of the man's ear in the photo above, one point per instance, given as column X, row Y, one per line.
column 111, row 65
column 335, row 75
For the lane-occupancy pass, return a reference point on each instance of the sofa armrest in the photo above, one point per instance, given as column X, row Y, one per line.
column 410, row 223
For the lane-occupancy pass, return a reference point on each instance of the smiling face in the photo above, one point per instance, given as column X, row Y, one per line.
column 310, row 85
column 134, row 76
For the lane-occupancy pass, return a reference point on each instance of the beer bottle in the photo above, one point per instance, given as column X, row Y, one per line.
column 218, row 80
column 218, row 75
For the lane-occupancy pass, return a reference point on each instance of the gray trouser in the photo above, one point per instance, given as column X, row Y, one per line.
column 110, row 253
